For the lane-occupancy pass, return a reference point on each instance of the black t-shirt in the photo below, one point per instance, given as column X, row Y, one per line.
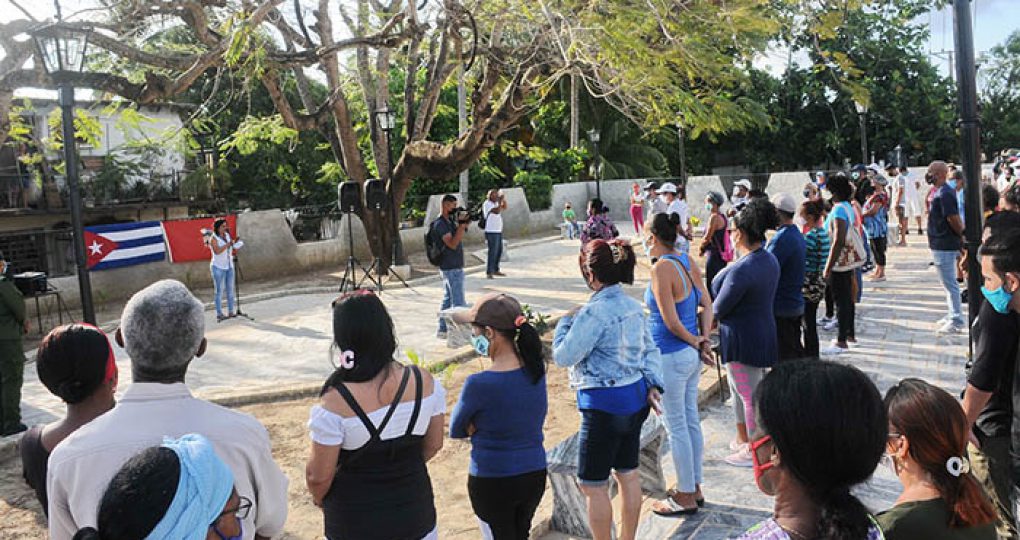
column 996, row 345
column 451, row 259
column 33, row 463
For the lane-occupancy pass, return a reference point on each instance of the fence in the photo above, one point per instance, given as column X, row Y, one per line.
column 21, row 191
column 49, row 251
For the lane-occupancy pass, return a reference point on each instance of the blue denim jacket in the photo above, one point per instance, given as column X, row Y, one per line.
column 607, row 343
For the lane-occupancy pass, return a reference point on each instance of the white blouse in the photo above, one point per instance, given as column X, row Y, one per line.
column 349, row 433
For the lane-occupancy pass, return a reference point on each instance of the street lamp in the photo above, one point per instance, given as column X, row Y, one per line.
column 386, row 119
column 862, row 113
column 899, row 156
column 62, row 49
column 680, row 136
column 594, row 136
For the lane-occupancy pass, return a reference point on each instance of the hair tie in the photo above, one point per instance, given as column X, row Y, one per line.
column 957, row 466
column 618, row 253
column 347, row 359
column 520, row 320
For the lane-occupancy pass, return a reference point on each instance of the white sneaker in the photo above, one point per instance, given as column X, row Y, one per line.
column 831, row 325
column 822, row 321
column 740, row 458
column 949, row 327
column 736, row 445
column 833, row 350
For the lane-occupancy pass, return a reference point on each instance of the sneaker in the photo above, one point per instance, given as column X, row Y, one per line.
column 500, row 274
column 221, row 318
column 834, row 350
column 920, row 232
column 831, row 325
column 740, row 458
column 736, row 445
column 822, row 321
column 950, row 327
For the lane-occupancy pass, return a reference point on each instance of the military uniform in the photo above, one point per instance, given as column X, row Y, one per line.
column 12, row 357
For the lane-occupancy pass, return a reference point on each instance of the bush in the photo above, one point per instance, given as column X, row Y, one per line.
column 537, row 188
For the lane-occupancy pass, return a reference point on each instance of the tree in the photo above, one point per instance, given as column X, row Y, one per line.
column 648, row 58
column 1000, row 96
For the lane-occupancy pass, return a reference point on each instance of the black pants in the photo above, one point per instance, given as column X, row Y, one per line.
column 714, row 263
column 878, row 246
column 788, row 334
column 830, row 303
column 810, row 330
column 507, row 504
column 842, row 285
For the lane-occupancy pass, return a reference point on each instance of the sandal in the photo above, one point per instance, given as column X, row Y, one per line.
column 672, row 492
column 670, row 508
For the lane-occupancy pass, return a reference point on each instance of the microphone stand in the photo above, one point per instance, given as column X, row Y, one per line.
column 237, row 288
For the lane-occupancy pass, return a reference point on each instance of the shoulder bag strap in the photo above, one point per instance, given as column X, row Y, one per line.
column 417, row 401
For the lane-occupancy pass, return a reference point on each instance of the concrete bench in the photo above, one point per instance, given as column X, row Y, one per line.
column 570, row 510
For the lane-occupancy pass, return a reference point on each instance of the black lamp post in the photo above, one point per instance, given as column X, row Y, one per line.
column 62, row 49
column 386, row 119
column 594, row 136
column 683, row 157
column 862, row 113
column 899, row 156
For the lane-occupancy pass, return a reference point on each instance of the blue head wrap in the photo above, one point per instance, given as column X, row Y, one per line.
column 204, row 487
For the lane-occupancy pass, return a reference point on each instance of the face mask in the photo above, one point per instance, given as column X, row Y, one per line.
column 708, row 206
column 999, row 298
column 889, row 462
column 481, row 344
column 240, row 532
column 952, row 184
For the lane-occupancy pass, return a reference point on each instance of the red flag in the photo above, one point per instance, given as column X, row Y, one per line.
column 185, row 240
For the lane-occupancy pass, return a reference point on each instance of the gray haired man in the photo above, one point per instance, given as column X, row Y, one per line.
column 162, row 329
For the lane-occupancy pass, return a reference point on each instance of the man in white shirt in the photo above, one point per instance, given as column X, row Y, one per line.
column 676, row 205
column 492, row 211
column 162, row 329
column 741, row 196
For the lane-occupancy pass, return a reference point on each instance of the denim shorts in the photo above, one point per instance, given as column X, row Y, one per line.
column 608, row 442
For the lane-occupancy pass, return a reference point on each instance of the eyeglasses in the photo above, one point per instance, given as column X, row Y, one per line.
column 241, row 511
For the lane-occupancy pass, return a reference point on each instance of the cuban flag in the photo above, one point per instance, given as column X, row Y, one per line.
column 123, row 244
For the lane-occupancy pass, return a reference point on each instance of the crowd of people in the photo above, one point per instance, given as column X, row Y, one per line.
column 160, row 463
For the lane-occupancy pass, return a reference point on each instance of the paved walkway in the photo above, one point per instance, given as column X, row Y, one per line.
column 288, row 342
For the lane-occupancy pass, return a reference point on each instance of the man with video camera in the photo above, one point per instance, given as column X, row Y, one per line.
column 450, row 228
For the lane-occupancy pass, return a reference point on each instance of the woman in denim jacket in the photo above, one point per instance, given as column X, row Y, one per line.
column 615, row 368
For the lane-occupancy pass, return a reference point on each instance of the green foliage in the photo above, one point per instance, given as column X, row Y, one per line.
column 537, row 319
column 537, row 188
column 253, row 132
column 1000, row 97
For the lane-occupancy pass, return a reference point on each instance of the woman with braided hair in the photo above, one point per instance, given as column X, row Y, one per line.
column 615, row 369
column 75, row 362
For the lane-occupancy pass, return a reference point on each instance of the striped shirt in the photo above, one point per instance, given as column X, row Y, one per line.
column 817, row 243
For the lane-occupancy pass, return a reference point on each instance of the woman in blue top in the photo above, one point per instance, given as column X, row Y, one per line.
column 673, row 296
column 502, row 410
column 844, row 284
column 614, row 366
column 744, row 296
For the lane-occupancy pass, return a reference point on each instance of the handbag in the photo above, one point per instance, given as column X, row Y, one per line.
column 854, row 254
column 813, row 288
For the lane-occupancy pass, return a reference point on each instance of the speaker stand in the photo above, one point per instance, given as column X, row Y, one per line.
column 349, row 281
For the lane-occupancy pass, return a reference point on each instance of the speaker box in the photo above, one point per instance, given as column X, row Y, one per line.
column 375, row 194
column 349, row 196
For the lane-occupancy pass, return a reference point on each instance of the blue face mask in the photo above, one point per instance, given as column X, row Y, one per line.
column 708, row 206
column 999, row 299
column 952, row 184
column 481, row 344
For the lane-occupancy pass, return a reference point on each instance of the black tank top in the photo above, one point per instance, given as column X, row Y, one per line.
column 382, row 490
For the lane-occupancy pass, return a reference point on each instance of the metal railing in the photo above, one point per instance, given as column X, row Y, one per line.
column 21, row 191
column 39, row 250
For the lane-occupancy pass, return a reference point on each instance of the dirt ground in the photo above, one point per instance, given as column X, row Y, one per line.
column 21, row 516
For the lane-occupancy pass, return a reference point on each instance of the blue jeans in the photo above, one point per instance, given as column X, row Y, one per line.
column 223, row 280
column 573, row 229
column 495, row 243
column 453, row 292
column 945, row 263
column 680, row 371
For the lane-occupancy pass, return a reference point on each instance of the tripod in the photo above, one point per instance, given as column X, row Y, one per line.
column 349, row 281
column 377, row 264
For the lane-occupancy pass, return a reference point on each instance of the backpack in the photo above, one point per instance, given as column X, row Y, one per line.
column 433, row 244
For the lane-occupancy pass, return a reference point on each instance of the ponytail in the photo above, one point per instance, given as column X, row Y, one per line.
column 966, row 499
column 87, row 533
column 842, row 517
column 529, row 347
column 664, row 227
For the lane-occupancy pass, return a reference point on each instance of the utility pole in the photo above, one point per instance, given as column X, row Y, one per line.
column 970, row 132
column 462, row 127
column 575, row 123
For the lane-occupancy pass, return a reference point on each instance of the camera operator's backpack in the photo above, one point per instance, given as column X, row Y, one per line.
column 433, row 244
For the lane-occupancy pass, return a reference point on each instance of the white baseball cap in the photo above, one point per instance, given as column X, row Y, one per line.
column 785, row 202
column 668, row 187
column 744, row 183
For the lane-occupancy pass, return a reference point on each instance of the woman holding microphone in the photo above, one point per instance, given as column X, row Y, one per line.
column 222, row 265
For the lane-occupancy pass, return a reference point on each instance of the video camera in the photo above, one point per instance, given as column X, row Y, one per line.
column 463, row 215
